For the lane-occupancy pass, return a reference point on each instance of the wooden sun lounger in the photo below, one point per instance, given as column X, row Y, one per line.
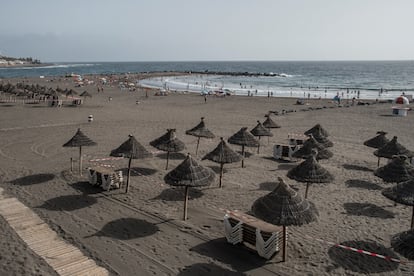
column 284, row 151
column 253, row 232
column 105, row 178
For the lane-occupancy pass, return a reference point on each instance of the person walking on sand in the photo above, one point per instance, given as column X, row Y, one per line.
column 205, row 98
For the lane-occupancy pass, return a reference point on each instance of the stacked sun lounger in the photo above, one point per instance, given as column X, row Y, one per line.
column 105, row 178
column 297, row 139
column 261, row 236
column 284, row 151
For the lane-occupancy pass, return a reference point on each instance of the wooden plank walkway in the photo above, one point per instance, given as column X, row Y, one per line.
column 63, row 257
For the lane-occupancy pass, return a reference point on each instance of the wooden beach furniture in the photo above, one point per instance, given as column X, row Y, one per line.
column 400, row 110
column 256, row 234
column 297, row 139
column 105, row 178
column 284, row 151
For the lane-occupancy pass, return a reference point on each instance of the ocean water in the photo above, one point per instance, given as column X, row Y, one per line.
column 300, row 78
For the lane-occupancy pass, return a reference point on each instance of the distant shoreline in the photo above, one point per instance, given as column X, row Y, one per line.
column 25, row 65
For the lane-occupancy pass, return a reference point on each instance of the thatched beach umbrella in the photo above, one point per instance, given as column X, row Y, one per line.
column 398, row 170
column 169, row 143
column 189, row 174
column 79, row 140
column 403, row 243
column 392, row 148
column 269, row 123
column 85, row 94
column 321, row 138
column 223, row 154
column 199, row 131
column 309, row 171
column 243, row 138
column 317, row 129
column 402, row 193
column 71, row 92
column 284, row 206
column 378, row 141
column 259, row 130
column 306, row 150
column 130, row 149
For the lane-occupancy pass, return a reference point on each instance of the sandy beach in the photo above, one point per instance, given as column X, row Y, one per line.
column 141, row 233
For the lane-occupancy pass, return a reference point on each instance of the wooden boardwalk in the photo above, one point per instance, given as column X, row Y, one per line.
column 63, row 257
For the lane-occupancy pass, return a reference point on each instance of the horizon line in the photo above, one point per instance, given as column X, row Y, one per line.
column 305, row 60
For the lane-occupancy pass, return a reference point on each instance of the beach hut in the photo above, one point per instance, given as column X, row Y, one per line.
column 306, row 150
column 284, row 206
column 189, row 174
column 223, row 154
column 243, row 138
column 130, row 149
column 317, row 129
column 378, row 141
column 79, row 140
column 398, row 170
column 392, row 148
column 259, row 130
column 199, row 131
column 169, row 143
column 402, row 193
column 403, row 243
column 309, row 171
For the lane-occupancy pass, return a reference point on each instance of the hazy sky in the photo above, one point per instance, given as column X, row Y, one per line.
column 172, row 30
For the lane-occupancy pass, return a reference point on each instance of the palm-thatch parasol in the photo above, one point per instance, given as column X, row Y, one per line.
column 71, row 92
column 392, row 148
column 223, row 154
column 317, row 129
column 321, row 138
column 306, row 150
column 243, row 138
column 130, row 149
column 199, row 131
column 402, row 193
column 79, row 140
column 269, row 123
column 85, row 94
column 378, row 141
column 403, row 243
column 259, row 130
column 398, row 170
column 169, row 143
column 189, row 174
column 309, row 171
column 284, row 206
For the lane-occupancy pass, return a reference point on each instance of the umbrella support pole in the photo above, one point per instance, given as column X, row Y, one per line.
column 71, row 164
column 412, row 220
column 378, row 161
column 307, row 188
column 284, row 244
column 185, row 202
column 258, row 147
column 80, row 160
column 242, row 156
column 168, row 157
column 198, row 142
column 221, row 173
column 129, row 174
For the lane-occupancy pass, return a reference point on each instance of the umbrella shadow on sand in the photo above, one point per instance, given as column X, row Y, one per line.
column 368, row 210
column 86, row 188
column 137, row 171
column 33, row 179
column 202, row 269
column 216, row 169
column 361, row 263
column 174, row 194
column 270, row 186
column 357, row 168
column 362, row 184
column 68, row 202
column 237, row 256
column 126, row 229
